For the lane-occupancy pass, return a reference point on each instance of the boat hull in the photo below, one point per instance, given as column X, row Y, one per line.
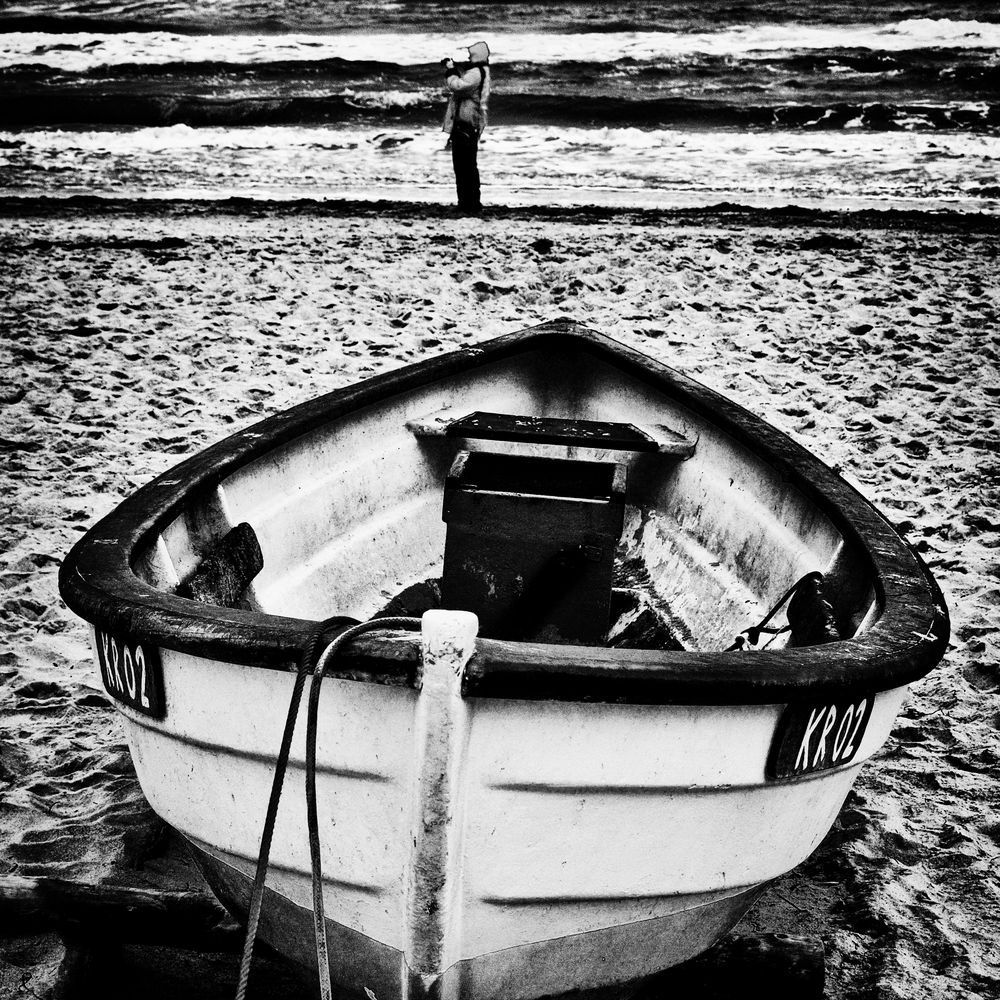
column 566, row 846
column 497, row 817
column 602, row 964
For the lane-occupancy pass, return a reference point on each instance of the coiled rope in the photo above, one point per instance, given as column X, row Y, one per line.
column 308, row 663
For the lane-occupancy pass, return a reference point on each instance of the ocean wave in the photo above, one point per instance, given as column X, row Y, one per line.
column 421, row 108
column 636, row 91
column 76, row 51
column 64, row 24
column 524, row 164
column 333, row 68
column 154, row 110
column 498, row 140
column 931, row 65
column 590, row 16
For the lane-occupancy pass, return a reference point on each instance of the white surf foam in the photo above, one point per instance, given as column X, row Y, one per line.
column 82, row 51
column 520, row 165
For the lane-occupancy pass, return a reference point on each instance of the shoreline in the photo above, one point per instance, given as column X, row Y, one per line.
column 722, row 213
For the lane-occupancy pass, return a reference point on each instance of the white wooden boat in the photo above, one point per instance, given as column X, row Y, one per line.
column 501, row 818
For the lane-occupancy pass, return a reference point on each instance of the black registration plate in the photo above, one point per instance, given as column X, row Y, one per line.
column 815, row 736
column 132, row 673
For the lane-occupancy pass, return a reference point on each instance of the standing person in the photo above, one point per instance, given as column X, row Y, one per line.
column 465, row 119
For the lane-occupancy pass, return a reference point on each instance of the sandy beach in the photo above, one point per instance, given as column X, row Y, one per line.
column 134, row 335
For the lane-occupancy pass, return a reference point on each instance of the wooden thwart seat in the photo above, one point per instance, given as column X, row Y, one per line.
column 554, row 430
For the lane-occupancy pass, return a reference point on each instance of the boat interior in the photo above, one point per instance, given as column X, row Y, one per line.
column 554, row 492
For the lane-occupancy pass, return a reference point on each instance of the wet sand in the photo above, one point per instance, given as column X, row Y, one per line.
column 133, row 336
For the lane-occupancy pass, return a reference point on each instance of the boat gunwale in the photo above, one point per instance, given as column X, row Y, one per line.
column 97, row 580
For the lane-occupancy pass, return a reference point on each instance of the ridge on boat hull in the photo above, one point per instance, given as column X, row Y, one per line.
column 630, row 951
column 497, row 817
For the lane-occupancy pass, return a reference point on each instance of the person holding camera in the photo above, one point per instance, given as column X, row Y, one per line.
column 465, row 118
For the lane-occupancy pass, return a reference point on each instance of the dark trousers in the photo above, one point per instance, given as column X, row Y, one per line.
column 464, row 153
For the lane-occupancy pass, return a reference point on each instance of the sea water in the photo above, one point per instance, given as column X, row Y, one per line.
column 840, row 105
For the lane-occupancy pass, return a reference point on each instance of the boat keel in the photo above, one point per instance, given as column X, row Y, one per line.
column 604, row 964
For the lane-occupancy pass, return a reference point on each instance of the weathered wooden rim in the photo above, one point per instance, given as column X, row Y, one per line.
column 97, row 582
